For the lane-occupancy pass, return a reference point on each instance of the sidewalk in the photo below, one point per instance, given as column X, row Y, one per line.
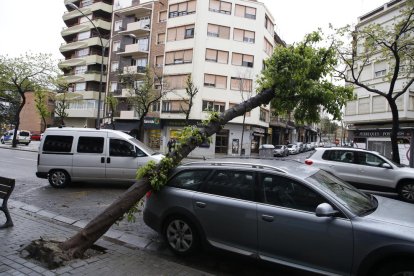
column 121, row 257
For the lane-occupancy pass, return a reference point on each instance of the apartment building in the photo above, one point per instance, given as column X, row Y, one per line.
column 221, row 44
column 369, row 116
column 84, row 52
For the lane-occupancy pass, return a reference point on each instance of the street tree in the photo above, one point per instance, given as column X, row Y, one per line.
column 278, row 77
column 145, row 89
column 388, row 45
column 9, row 104
column 188, row 101
column 112, row 104
column 26, row 73
column 41, row 98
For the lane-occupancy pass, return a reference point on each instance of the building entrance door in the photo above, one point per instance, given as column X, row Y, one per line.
column 222, row 141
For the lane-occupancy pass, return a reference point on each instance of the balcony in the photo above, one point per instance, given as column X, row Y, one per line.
column 82, row 113
column 86, row 76
column 139, row 28
column 98, row 6
column 83, row 60
column 128, row 115
column 86, row 26
column 134, row 70
column 134, row 50
column 92, row 41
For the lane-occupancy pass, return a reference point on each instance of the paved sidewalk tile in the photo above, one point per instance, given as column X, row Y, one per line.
column 118, row 259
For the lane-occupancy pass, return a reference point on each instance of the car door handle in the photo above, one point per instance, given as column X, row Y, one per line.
column 108, row 160
column 200, row 204
column 102, row 159
column 268, row 218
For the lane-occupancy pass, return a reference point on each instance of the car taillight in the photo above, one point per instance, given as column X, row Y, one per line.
column 308, row 162
column 148, row 194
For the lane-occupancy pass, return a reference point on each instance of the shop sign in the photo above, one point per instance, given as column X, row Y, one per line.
column 381, row 133
column 152, row 123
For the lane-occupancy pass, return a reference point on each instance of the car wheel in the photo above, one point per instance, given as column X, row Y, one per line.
column 396, row 268
column 406, row 191
column 181, row 235
column 59, row 178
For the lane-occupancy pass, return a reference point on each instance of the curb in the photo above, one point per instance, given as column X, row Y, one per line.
column 119, row 236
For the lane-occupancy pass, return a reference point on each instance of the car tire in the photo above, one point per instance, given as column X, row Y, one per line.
column 397, row 268
column 406, row 191
column 181, row 235
column 58, row 178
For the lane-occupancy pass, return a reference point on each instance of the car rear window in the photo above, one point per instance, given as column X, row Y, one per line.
column 24, row 133
column 58, row 143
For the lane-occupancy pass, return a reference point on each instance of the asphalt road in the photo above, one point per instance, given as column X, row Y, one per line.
column 86, row 200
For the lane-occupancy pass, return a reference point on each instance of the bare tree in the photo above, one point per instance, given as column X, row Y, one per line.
column 112, row 104
column 388, row 43
column 41, row 100
column 190, row 91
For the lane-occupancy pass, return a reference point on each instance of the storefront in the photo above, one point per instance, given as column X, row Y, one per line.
column 152, row 127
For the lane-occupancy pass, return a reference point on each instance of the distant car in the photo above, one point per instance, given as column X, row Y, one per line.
column 365, row 169
column 37, row 136
column 300, row 147
column 23, row 137
column 283, row 212
column 281, row 150
column 293, row 149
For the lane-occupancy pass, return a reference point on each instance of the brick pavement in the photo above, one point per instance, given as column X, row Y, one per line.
column 119, row 259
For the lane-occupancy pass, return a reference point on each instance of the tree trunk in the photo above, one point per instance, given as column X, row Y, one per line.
column 241, row 148
column 17, row 120
column 76, row 245
column 42, row 129
column 394, row 131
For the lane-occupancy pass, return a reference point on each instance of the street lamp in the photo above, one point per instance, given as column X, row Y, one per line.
column 98, row 117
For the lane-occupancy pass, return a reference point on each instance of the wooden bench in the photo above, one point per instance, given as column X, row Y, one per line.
column 6, row 188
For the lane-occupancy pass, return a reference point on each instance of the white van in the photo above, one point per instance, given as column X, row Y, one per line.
column 87, row 154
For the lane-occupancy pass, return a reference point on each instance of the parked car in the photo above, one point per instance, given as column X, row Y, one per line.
column 281, row 150
column 36, row 136
column 93, row 155
column 284, row 212
column 365, row 169
column 23, row 137
column 293, row 149
column 300, row 147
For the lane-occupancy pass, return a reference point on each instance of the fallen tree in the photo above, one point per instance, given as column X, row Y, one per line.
column 297, row 74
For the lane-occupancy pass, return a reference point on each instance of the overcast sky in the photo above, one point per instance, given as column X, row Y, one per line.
column 29, row 25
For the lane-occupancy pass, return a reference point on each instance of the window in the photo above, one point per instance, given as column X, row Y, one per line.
column 161, row 38
column 163, row 16
column 246, row 12
column 176, row 81
column 364, row 105
column 242, row 60
column 213, row 106
column 84, row 19
column 243, row 36
column 380, row 69
column 368, row 159
column 79, row 70
column 159, row 61
column 215, row 81
column 268, row 48
column 217, row 56
column 116, row 46
column 180, row 33
column 240, row 84
column 269, row 25
column 114, row 66
column 264, row 114
column 58, row 143
column 114, row 86
column 155, row 106
column 234, row 184
column 339, row 156
column 179, row 57
column 166, row 106
column 220, row 6
column 218, row 31
column 122, row 148
column 84, row 35
column 285, row 192
column 90, row 144
column 183, row 8
column 82, row 52
column 190, row 180
column 85, row 3
column 118, row 26
column 142, row 44
column 80, row 86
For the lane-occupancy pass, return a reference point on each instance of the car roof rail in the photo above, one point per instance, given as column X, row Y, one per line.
column 252, row 165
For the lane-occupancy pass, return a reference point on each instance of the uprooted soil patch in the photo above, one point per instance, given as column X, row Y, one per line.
column 48, row 254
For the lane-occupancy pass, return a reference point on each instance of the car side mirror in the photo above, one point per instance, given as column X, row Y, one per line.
column 325, row 210
column 386, row 166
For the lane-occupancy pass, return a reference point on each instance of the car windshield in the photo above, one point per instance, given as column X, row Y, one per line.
column 291, row 146
column 278, row 147
column 354, row 200
column 144, row 147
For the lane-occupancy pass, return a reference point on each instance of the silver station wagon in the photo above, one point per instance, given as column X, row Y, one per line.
column 284, row 212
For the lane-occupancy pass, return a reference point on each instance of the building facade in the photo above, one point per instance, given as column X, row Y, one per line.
column 369, row 116
column 222, row 45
